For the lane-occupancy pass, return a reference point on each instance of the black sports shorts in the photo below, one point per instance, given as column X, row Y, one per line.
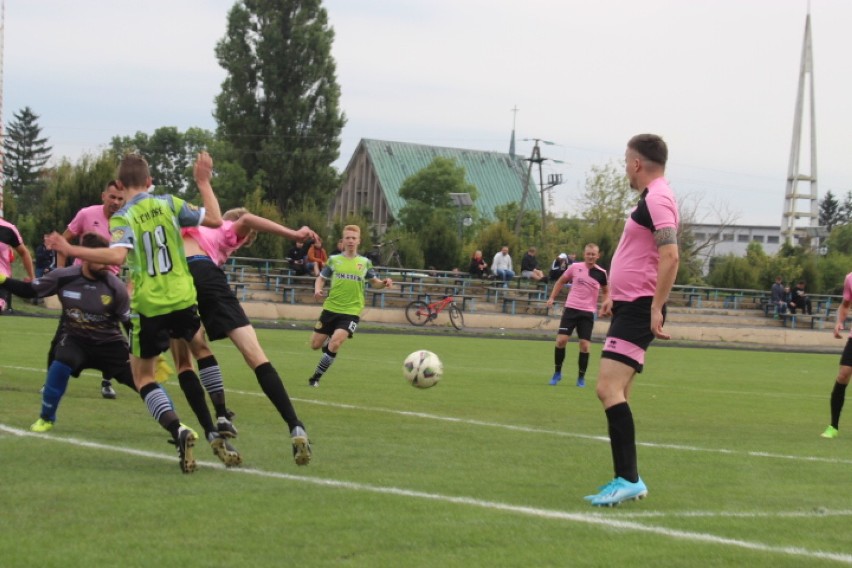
column 219, row 309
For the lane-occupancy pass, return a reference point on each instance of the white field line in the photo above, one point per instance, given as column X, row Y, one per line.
column 591, row 519
column 532, row 430
column 527, row 429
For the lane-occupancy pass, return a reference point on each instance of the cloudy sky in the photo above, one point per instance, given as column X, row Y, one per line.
column 716, row 78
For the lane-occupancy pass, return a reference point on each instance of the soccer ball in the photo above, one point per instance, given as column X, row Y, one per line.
column 422, row 369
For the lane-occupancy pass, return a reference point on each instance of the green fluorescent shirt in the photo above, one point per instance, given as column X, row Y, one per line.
column 348, row 278
column 149, row 227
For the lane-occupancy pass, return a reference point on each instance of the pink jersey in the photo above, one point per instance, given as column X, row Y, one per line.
column 91, row 219
column 633, row 273
column 10, row 239
column 217, row 243
column 847, row 293
column 586, row 286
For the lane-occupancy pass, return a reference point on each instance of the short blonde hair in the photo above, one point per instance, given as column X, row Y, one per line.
column 234, row 215
column 353, row 228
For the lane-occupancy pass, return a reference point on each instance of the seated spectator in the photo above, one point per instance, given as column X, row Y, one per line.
column 317, row 257
column 800, row 299
column 779, row 297
column 45, row 260
column 297, row 259
column 501, row 266
column 558, row 267
column 529, row 266
column 478, row 266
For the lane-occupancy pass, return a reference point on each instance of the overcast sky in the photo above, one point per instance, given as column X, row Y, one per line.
column 716, row 78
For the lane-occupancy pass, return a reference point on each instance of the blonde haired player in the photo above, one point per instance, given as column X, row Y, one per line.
column 348, row 273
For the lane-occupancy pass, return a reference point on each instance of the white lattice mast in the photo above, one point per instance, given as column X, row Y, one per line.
column 793, row 197
column 2, row 129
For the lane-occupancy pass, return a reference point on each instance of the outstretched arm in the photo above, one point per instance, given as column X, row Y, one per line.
column 112, row 255
column 249, row 221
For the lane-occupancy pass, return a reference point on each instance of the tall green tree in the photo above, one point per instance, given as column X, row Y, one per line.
column 26, row 155
column 830, row 211
column 279, row 103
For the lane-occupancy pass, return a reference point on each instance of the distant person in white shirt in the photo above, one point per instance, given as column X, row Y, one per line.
column 501, row 266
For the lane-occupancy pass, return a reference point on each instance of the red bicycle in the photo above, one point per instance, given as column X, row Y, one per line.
column 419, row 312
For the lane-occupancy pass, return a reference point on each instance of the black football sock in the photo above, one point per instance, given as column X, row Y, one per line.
column 211, row 378
column 270, row 383
column 558, row 358
column 583, row 363
column 622, row 440
column 838, row 397
column 192, row 389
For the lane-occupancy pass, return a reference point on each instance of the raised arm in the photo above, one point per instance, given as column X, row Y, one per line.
column 203, row 172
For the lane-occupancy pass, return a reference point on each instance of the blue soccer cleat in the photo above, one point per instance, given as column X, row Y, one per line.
column 557, row 376
column 581, row 381
column 618, row 491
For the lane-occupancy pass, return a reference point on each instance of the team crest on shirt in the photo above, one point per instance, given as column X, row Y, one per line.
column 117, row 235
column 360, row 267
column 106, row 299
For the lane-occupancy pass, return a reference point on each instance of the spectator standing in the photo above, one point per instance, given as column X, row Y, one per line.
column 501, row 266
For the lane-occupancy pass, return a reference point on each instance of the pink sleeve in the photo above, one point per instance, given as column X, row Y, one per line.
column 847, row 288
column 76, row 224
column 663, row 210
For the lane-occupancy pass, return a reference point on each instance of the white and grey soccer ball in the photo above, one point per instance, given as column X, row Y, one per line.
column 423, row 369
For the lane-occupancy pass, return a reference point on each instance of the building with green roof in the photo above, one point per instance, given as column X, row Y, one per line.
column 378, row 169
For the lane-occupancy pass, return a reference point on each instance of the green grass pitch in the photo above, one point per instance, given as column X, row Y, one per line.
column 489, row 468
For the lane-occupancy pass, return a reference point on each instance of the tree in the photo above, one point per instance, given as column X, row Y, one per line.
column 27, row 154
column 279, row 103
column 830, row 211
column 608, row 194
column 428, row 192
column 846, row 209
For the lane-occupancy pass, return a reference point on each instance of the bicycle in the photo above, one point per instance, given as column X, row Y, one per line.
column 419, row 312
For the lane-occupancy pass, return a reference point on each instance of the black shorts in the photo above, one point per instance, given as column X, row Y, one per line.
column 151, row 336
column 846, row 358
column 574, row 318
column 219, row 309
column 630, row 332
column 329, row 322
column 112, row 358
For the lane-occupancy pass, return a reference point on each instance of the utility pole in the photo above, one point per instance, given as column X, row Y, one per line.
column 552, row 181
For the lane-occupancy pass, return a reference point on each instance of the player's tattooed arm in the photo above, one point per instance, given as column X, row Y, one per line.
column 665, row 236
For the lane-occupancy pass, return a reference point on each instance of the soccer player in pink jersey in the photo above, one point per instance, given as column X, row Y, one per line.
column 641, row 276
column 838, row 393
column 10, row 240
column 588, row 281
column 94, row 219
column 207, row 249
